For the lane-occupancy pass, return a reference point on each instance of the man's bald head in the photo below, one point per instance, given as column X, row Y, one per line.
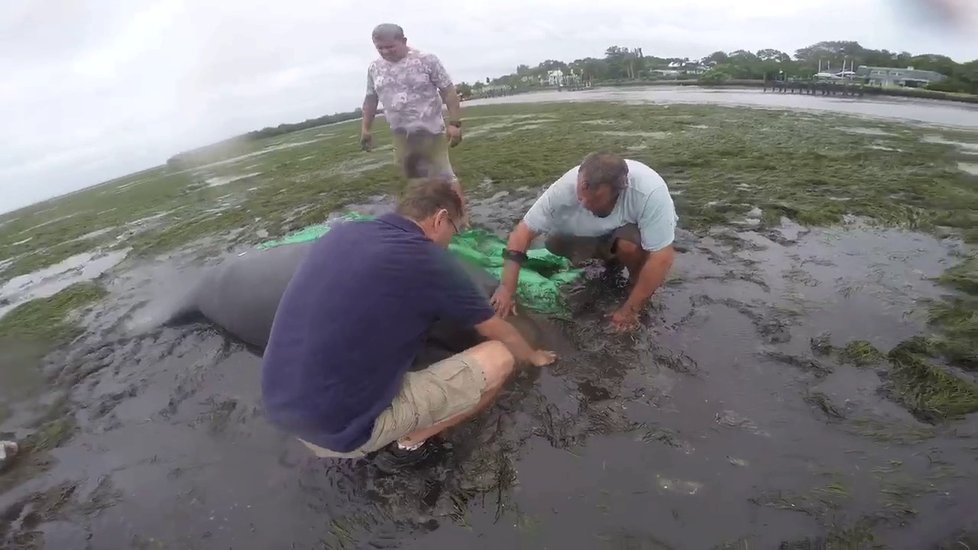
column 604, row 169
column 388, row 31
column 390, row 42
column 600, row 180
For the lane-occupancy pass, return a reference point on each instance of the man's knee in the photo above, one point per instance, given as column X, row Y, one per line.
column 625, row 248
column 399, row 144
column 441, row 159
column 496, row 361
column 629, row 233
column 631, row 255
column 628, row 243
column 552, row 244
column 561, row 245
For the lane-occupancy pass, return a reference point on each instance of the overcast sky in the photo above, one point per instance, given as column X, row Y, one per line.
column 95, row 90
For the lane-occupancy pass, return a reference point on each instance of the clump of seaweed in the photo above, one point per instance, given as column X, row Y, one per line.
column 958, row 324
column 957, row 317
column 35, row 328
column 861, row 353
column 889, row 431
column 823, row 403
column 930, row 392
column 816, row 502
column 858, row 536
column 44, row 319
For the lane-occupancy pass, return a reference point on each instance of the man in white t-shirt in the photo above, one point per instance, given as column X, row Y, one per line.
column 412, row 86
column 607, row 208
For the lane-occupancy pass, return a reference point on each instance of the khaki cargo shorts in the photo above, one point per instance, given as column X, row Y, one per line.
column 433, row 147
column 579, row 249
column 427, row 397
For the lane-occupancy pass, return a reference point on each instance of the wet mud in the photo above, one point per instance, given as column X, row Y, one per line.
column 727, row 421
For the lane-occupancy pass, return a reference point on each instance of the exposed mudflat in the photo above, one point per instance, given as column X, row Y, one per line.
column 719, row 401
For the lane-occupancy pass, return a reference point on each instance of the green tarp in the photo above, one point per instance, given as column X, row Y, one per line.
column 540, row 279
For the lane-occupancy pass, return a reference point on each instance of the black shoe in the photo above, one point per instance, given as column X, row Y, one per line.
column 393, row 459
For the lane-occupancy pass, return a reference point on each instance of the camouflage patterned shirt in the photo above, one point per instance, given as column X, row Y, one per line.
column 409, row 91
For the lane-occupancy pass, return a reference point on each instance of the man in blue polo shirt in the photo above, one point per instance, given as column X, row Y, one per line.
column 336, row 372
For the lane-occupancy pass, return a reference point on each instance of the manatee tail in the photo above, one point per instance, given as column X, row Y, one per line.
column 164, row 312
column 182, row 310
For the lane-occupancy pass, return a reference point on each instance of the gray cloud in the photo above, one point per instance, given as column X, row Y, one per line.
column 95, row 90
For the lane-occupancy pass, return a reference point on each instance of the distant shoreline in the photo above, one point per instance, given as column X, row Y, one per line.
column 914, row 93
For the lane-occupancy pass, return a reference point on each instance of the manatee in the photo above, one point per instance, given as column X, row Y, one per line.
column 240, row 296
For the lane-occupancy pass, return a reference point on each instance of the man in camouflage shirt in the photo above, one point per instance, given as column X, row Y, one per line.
column 411, row 86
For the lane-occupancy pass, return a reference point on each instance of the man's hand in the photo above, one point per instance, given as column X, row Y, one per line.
column 502, row 301
column 625, row 319
column 366, row 141
column 650, row 278
column 454, row 135
column 495, row 328
column 542, row 358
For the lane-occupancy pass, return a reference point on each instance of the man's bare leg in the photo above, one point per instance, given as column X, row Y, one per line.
column 578, row 250
column 417, row 438
column 632, row 256
column 498, row 364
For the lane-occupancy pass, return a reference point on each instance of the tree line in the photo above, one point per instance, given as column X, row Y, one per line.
column 630, row 64
column 621, row 64
column 202, row 154
column 308, row 123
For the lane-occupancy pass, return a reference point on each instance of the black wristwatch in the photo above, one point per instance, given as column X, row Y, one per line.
column 455, row 123
column 515, row 256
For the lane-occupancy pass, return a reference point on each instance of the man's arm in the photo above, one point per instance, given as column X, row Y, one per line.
column 370, row 101
column 657, row 226
column 450, row 96
column 650, row 278
column 498, row 329
column 456, row 298
column 538, row 219
column 369, row 112
column 519, row 241
column 440, row 78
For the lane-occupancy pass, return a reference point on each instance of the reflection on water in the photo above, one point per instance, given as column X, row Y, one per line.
column 47, row 282
column 926, row 111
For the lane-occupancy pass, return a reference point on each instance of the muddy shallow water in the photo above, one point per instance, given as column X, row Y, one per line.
column 716, row 423
column 50, row 280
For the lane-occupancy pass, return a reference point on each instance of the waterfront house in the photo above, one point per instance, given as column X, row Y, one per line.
column 892, row 76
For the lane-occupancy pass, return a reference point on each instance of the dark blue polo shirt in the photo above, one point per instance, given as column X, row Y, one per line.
column 350, row 324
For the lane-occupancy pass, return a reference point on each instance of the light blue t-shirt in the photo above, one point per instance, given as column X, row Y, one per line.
column 645, row 202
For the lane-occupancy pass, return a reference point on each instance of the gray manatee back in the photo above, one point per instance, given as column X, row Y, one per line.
column 242, row 294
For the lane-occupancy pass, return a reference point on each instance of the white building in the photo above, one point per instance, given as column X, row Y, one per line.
column 555, row 77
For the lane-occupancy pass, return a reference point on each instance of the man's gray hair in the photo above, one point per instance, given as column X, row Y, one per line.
column 424, row 197
column 388, row 30
column 603, row 168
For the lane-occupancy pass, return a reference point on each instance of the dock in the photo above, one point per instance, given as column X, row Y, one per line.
column 814, row 87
